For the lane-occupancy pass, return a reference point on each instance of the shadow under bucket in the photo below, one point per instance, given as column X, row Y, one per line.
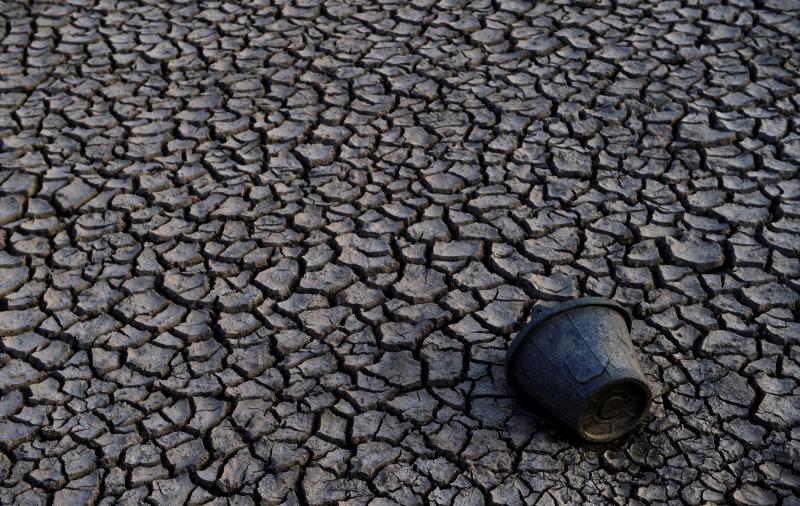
column 576, row 359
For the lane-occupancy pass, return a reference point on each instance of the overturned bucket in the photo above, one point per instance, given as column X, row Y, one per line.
column 576, row 359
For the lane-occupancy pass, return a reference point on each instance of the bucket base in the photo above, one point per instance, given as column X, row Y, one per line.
column 614, row 410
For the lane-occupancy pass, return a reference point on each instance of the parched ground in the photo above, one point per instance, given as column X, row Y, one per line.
column 259, row 253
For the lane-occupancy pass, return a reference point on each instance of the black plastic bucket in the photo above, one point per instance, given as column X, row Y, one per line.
column 577, row 360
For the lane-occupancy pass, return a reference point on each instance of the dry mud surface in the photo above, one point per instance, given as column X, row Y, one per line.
column 273, row 253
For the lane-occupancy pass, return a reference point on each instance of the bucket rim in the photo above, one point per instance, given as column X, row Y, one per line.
column 546, row 313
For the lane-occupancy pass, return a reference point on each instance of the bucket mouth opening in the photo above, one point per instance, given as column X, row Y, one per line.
column 615, row 409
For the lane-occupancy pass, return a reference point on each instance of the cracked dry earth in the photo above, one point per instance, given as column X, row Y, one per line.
column 259, row 253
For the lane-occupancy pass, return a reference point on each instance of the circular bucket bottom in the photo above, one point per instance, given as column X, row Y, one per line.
column 614, row 410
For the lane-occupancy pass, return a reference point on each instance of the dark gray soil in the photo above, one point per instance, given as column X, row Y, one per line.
column 265, row 253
